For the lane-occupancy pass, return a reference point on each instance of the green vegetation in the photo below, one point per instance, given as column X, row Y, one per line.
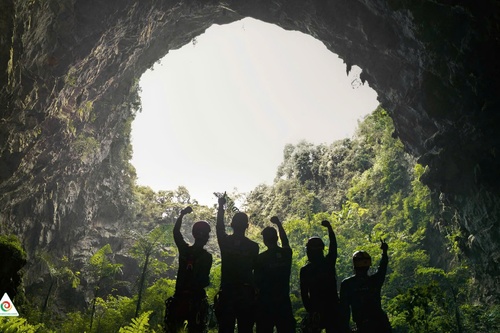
column 102, row 272
column 19, row 325
column 71, row 78
column 13, row 260
column 367, row 187
column 144, row 250
column 138, row 325
column 85, row 112
column 86, row 147
column 14, row 246
column 59, row 273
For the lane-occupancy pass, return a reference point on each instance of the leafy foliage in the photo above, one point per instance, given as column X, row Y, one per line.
column 60, row 273
column 14, row 245
column 138, row 325
column 144, row 249
column 102, row 271
column 19, row 325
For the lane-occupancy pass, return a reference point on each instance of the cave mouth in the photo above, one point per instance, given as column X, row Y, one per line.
column 70, row 67
column 248, row 88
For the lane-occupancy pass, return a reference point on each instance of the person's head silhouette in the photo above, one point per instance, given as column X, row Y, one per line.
column 315, row 247
column 239, row 223
column 361, row 261
column 201, row 233
column 270, row 236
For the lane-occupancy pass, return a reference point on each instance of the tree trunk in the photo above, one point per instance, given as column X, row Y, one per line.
column 141, row 284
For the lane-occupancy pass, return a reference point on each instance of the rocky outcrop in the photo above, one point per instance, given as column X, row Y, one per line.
column 69, row 68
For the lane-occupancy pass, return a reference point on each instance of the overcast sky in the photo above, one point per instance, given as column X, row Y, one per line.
column 218, row 112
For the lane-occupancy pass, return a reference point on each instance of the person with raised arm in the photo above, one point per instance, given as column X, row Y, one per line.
column 235, row 302
column 272, row 277
column 189, row 302
column 318, row 285
column 360, row 294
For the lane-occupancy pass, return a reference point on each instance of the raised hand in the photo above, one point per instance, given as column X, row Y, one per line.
column 325, row 224
column 275, row 220
column 383, row 245
column 222, row 199
column 186, row 210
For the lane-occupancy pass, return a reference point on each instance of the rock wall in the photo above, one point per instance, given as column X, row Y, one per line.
column 69, row 70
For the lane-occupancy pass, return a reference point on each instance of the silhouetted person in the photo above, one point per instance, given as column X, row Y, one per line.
column 272, row 277
column 318, row 285
column 190, row 300
column 360, row 294
column 236, row 298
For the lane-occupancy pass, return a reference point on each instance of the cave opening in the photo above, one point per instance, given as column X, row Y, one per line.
column 217, row 113
column 432, row 64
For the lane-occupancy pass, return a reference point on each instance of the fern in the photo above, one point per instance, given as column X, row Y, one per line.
column 138, row 325
column 17, row 325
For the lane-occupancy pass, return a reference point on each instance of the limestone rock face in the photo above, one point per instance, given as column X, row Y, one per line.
column 69, row 68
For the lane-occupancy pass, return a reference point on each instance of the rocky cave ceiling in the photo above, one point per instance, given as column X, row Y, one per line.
column 68, row 67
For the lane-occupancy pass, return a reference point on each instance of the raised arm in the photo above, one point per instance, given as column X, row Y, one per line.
column 284, row 239
column 179, row 240
column 382, row 268
column 332, row 248
column 220, row 228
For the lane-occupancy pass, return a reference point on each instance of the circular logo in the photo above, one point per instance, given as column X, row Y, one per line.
column 5, row 306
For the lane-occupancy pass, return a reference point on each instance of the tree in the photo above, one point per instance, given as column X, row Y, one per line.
column 59, row 272
column 102, row 271
column 145, row 247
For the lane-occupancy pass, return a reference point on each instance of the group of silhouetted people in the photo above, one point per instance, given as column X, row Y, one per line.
column 255, row 288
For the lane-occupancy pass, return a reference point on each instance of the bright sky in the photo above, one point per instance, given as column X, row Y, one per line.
column 218, row 112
